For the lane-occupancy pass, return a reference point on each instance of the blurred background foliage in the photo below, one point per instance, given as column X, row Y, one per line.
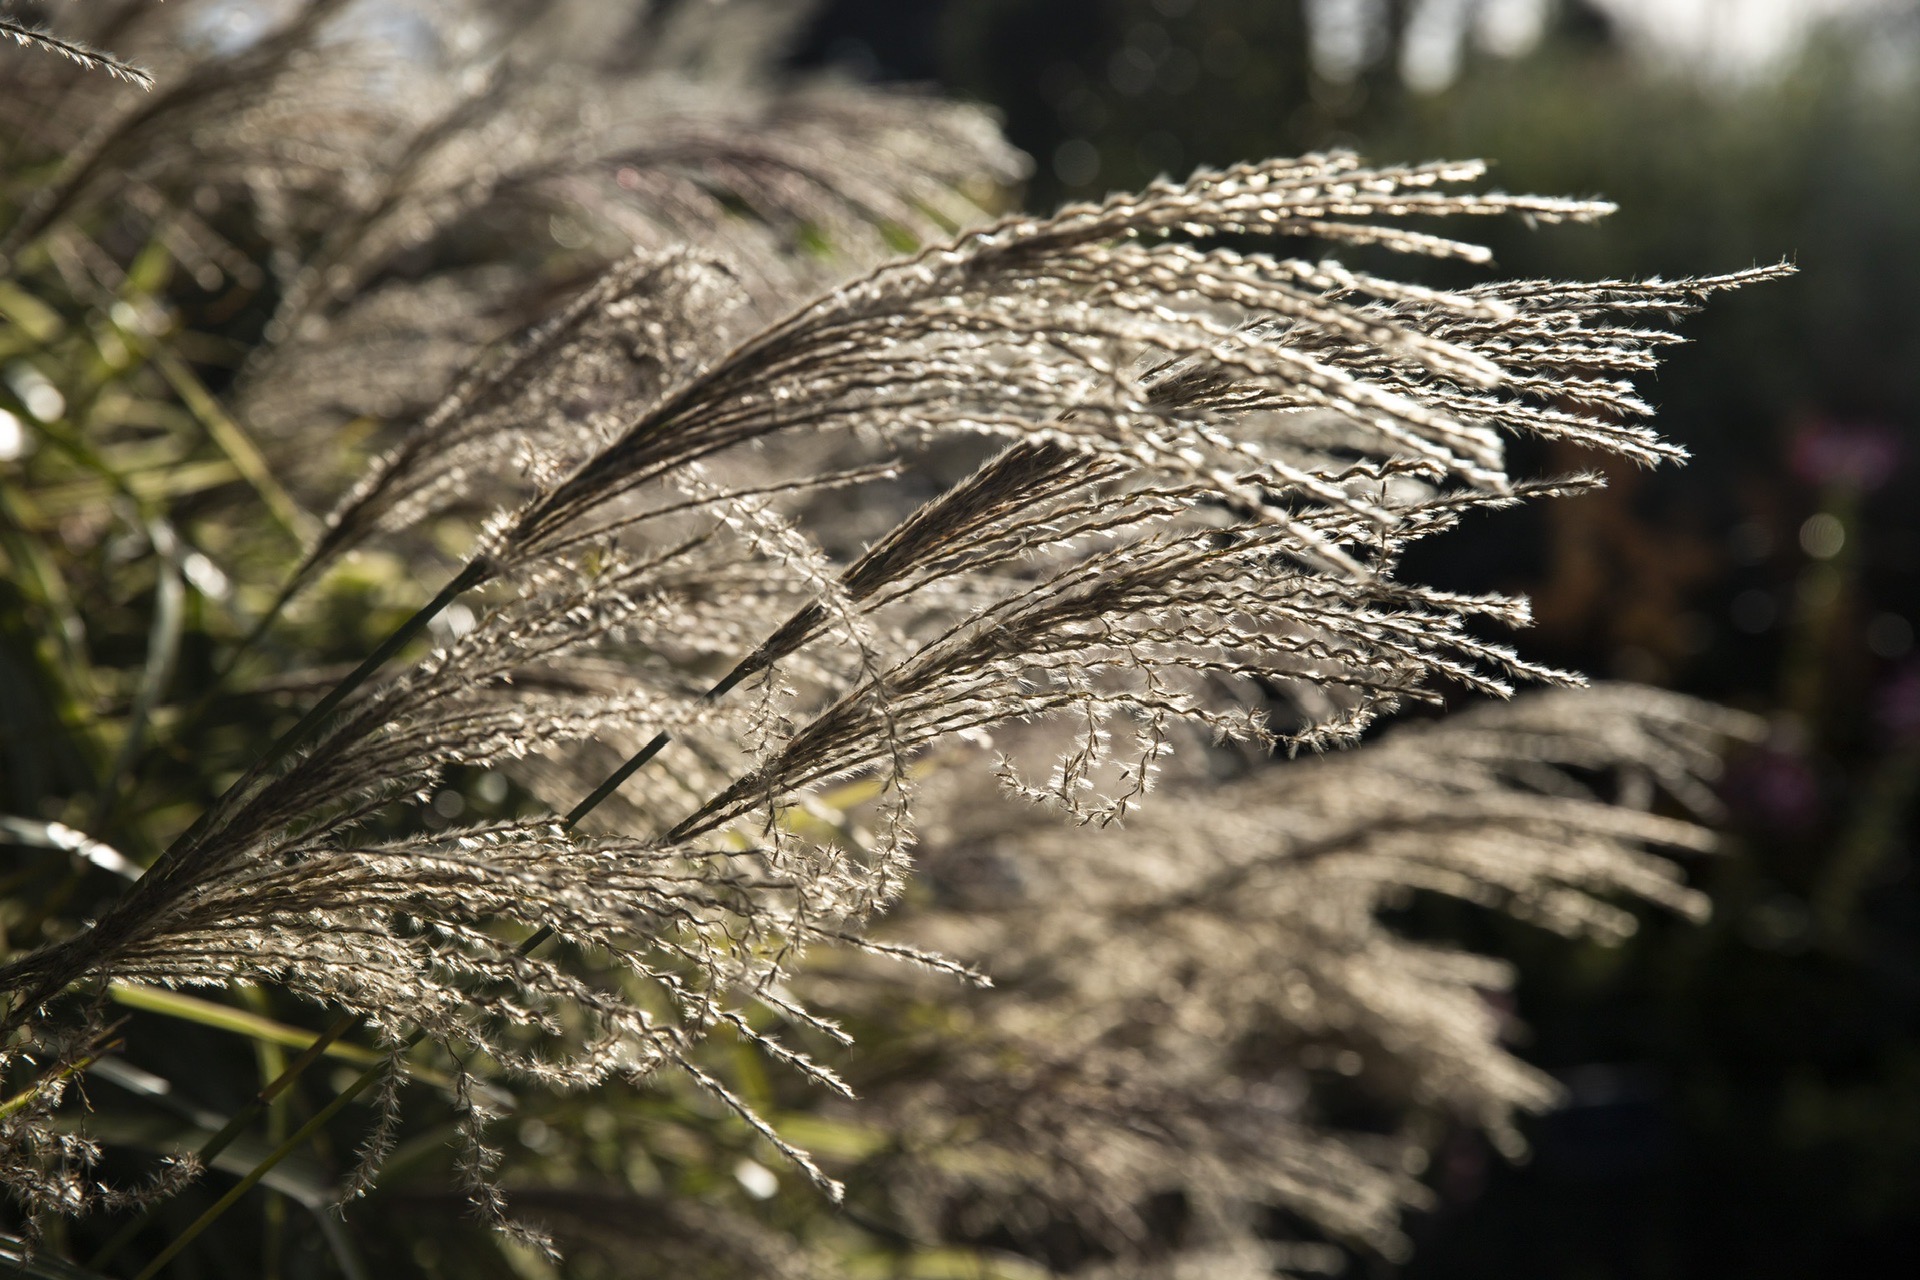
column 1744, row 1096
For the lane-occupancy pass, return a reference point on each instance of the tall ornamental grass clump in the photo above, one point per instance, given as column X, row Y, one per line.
column 726, row 509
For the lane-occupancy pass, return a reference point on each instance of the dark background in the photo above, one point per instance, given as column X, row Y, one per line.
column 1744, row 1096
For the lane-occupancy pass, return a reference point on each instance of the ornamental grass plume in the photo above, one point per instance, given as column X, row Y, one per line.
column 1207, row 1009
column 74, row 51
column 1118, row 485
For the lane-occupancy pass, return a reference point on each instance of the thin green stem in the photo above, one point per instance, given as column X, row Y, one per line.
column 746, row 667
column 619, row 776
column 289, row 742
column 231, row 662
column 638, row 760
column 240, row 1120
column 191, row 718
column 20, row 1101
column 315, row 719
column 288, row 589
column 311, row 723
column 163, row 649
column 234, row 1127
column 261, row 1170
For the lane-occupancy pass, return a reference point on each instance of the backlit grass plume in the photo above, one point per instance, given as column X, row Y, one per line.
column 31, row 37
column 1197, row 1008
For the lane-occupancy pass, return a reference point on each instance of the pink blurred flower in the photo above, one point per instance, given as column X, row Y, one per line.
column 1897, row 705
column 1858, row 455
column 1773, row 787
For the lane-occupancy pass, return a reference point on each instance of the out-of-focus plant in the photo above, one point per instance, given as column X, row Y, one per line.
column 627, row 323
